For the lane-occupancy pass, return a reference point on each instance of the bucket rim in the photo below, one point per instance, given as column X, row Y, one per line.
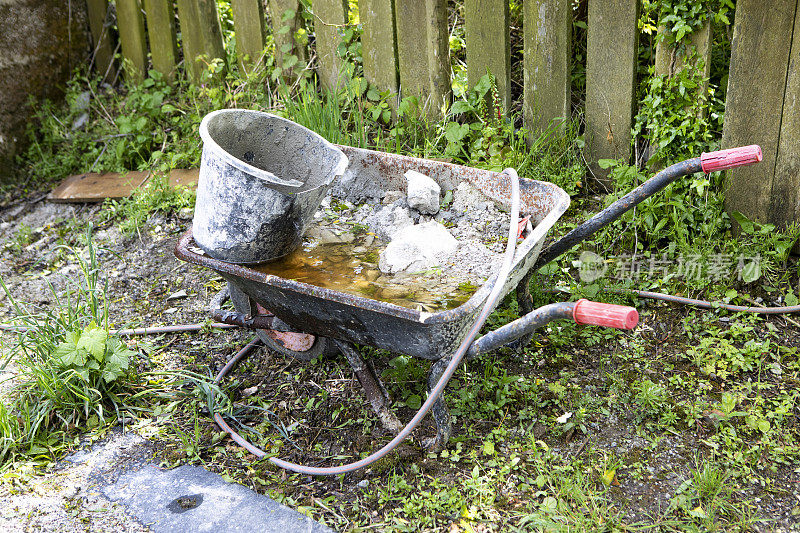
column 292, row 185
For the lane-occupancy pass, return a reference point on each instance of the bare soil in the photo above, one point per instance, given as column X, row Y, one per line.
column 319, row 407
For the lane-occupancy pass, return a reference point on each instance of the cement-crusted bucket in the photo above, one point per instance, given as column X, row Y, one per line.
column 262, row 177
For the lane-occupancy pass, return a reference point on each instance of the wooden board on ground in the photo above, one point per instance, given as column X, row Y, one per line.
column 94, row 187
column 184, row 178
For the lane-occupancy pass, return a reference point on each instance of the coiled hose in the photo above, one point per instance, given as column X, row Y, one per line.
column 491, row 301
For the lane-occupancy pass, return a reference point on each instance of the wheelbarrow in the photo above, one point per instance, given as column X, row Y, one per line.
column 303, row 321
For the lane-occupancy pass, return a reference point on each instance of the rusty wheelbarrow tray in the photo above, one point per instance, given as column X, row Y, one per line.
column 338, row 315
column 319, row 314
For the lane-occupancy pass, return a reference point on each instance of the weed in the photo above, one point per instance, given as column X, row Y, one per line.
column 190, row 442
column 338, row 117
column 157, row 195
column 404, row 371
column 707, row 500
column 71, row 372
column 21, row 239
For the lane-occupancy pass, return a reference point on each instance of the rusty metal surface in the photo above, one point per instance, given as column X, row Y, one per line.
column 373, row 388
column 373, row 173
column 234, row 318
column 352, row 318
column 296, row 342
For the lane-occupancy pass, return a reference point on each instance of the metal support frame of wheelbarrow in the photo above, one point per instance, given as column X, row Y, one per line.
column 247, row 287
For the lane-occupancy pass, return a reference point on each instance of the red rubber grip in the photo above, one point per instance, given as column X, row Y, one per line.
column 608, row 315
column 730, row 158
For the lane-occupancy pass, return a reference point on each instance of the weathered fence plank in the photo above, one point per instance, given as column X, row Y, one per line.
column 103, row 50
column 379, row 43
column 611, row 58
column 161, row 34
column 669, row 60
column 785, row 206
column 486, row 28
column 130, row 23
column 412, row 49
column 438, row 53
column 548, row 53
column 756, row 95
column 424, row 53
column 330, row 16
column 284, row 28
column 248, row 23
column 201, row 33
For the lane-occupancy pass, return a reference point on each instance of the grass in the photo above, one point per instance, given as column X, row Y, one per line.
column 156, row 196
column 70, row 373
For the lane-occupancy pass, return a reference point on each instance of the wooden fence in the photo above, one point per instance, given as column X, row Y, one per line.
column 405, row 48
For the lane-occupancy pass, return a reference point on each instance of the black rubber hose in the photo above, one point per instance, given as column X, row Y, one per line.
column 704, row 304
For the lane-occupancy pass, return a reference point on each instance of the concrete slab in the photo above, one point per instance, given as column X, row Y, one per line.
column 189, row 498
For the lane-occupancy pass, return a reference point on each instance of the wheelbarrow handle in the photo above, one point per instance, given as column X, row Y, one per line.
column 582, row 312
column 707, row 162
column 731, row 158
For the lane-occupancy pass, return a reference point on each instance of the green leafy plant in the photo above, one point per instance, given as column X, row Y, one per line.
column 766, row 243
column 21, row 239
column 92, row 355
column 681, row 18
column 674, row 115
column 406, row 374
column 156, row 196
column 71, row 372
column 483, row 134
column 687, row 212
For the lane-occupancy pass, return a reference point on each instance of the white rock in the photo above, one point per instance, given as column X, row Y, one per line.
column 325, row 235
column 177, row 295
column 466, row 198
column 391, row 197
column 388, row 221
column 423, row 193
column 81, row 121
column 417, row 248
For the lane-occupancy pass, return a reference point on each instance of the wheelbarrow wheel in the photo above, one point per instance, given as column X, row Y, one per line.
column 301, row 346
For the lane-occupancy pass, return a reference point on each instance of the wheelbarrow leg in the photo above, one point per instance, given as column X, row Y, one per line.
column 525, row 306
column 373, row 388
column 441, row 415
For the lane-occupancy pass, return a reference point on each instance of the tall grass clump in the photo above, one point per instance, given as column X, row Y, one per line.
column 71, row 373
column 337, row 116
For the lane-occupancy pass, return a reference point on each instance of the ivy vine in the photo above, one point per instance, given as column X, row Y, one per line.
column 681, row 18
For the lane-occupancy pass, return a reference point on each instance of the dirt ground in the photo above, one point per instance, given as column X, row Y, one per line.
column 149, row 286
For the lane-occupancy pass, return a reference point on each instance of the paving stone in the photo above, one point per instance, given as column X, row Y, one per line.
column 189, row 498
